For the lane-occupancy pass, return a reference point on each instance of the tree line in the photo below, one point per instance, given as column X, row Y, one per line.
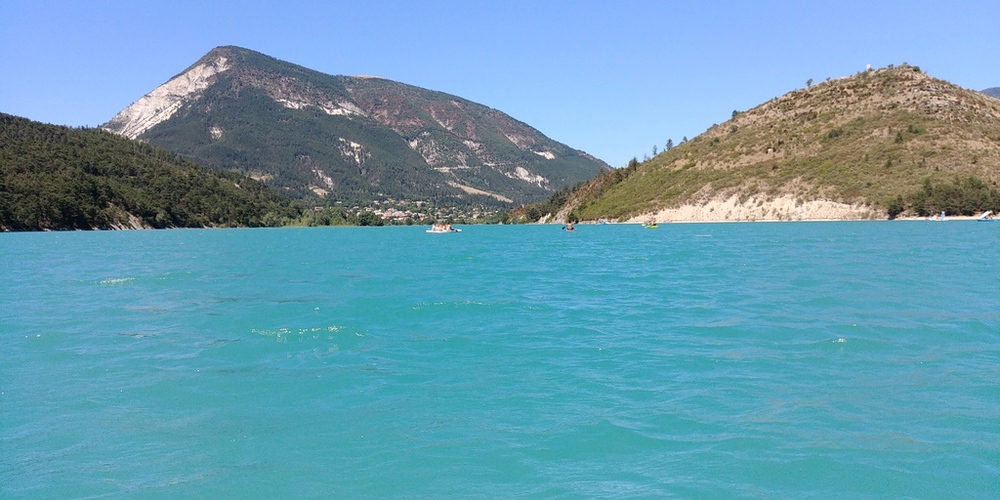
column 962, row 196
column 54, row 177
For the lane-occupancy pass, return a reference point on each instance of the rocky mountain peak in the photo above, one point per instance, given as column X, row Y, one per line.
column 313, row 134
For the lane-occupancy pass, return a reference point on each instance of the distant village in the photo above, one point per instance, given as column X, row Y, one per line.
column 408, row 212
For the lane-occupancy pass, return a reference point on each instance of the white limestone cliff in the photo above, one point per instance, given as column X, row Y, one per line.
column 160, row 104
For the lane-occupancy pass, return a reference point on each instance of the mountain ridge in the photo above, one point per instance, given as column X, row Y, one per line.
column 328, row 137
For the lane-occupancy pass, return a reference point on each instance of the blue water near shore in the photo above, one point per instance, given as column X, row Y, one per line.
column 754, row 360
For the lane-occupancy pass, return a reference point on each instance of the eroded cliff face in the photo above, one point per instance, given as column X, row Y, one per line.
column 160, row 105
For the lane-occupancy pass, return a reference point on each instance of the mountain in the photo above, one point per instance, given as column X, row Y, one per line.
column 54, row 177
column 348, row 139
column 992, row 92
column 890, row 142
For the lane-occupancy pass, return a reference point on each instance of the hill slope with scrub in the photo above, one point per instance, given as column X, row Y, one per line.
column 880, row 143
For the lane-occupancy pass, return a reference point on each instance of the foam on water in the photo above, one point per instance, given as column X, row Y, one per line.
column 716, row 360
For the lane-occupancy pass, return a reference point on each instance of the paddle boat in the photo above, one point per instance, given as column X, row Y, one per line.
column 986, row 216
column 443, row 228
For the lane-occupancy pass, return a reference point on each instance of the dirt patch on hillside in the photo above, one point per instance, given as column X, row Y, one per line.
column 784, row 208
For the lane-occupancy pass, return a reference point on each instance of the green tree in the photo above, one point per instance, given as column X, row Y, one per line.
column 370, row 219
column 895, row 207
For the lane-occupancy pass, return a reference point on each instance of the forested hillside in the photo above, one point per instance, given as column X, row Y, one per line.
column 54, row 177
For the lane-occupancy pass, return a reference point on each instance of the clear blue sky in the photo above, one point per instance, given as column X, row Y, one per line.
column 613, row 78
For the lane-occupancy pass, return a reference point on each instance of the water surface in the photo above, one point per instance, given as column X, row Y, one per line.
column 756, row 360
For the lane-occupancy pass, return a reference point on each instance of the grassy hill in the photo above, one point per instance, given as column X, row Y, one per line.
column 883, row 142
column 54, row 177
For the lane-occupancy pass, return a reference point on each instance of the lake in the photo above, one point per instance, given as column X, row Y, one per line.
column 742, row 360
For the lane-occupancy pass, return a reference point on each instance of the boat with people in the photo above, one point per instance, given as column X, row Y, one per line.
column 443, row 228
column 650, row 225
column 986, row 216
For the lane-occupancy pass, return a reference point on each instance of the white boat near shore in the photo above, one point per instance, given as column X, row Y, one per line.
column 443, row 228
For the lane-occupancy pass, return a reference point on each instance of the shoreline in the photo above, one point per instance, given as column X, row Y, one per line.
column 786, row 208
column 949, row 218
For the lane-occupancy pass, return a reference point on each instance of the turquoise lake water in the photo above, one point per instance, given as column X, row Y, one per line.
column 753, row 360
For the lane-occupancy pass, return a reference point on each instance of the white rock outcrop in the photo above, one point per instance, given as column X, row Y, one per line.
column 160, row 104
column 522, row 174
column 781, row 208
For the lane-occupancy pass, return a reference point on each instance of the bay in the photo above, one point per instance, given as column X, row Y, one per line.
column 754, row 360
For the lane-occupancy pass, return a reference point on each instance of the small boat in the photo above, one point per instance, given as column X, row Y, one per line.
column 443, row 228
column 651, row 225
column 986, row 216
